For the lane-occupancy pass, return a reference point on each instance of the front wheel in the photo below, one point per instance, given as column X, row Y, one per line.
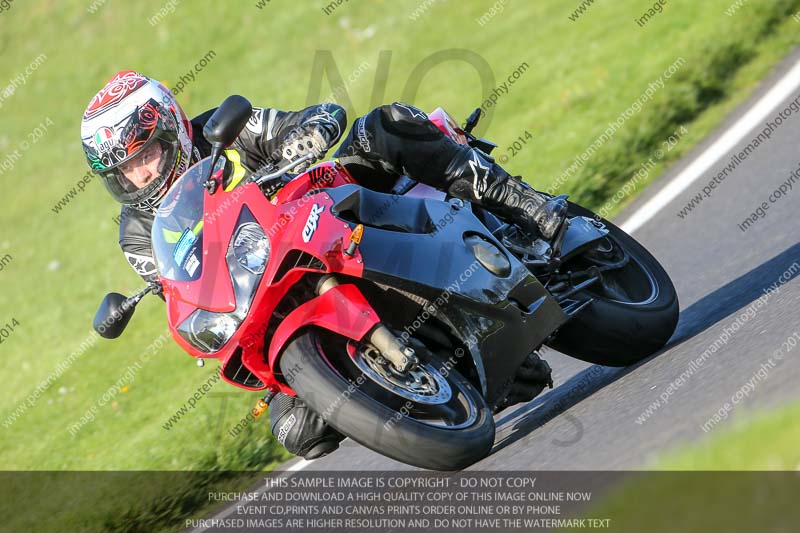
column 634, row 310
column 431, row 417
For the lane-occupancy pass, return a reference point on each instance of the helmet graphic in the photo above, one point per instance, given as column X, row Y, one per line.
column 137, row 139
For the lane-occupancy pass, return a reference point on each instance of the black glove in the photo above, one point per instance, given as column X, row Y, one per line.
column 304, row 141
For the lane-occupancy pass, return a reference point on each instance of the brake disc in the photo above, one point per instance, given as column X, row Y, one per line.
column 423, row 384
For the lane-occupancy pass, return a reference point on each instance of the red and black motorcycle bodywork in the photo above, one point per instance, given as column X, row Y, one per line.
column 415, row 245
column 270, row 285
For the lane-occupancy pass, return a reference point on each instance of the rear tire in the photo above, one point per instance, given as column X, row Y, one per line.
column 351, row 407
column 615, row 333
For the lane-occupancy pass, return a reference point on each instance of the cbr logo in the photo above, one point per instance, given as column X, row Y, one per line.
column 311, row 223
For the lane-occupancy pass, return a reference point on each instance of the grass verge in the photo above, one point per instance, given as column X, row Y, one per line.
column 743, row 477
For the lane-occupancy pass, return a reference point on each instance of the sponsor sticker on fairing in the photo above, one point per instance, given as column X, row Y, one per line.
column 191, row 264
column 183, row 246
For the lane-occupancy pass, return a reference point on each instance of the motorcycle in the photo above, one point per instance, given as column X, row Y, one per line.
column 404, row 319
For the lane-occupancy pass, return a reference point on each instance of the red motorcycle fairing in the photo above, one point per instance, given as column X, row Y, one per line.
column 324, row 175
column 285, row 220
column 297, row 221
column 342, row 309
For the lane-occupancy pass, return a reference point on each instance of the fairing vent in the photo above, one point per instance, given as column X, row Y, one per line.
column 238, row 373
column 298, row 259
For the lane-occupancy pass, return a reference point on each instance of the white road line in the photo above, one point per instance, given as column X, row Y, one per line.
column 296, row 467
column 779, row 92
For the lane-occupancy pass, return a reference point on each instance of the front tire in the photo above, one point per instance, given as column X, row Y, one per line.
column 613, row 332
column 322, row 373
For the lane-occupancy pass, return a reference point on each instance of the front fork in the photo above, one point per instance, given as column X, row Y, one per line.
column 402, row 357
column 322, row 312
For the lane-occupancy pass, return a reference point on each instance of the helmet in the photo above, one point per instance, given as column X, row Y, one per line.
column 122, row 123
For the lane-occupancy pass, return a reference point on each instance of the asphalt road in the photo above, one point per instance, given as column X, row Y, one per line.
column 589, row 421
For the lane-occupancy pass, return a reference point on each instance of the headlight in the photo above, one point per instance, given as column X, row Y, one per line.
column 251, row 247
column 208, row 331
column 247, row 256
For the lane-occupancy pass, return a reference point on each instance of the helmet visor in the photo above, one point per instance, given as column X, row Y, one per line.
column 142, row 175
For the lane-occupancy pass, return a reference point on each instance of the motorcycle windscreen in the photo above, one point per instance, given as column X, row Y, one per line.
column 177, row 235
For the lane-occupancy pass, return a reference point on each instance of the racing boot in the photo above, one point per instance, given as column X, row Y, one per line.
column 473, row 175
column 300, row 430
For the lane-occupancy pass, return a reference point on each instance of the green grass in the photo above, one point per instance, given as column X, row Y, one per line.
column 582, row 75
column 740, row 477
column 115, row 501
column 751, row 442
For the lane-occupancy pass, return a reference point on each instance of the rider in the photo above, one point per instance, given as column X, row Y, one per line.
column 139, row 141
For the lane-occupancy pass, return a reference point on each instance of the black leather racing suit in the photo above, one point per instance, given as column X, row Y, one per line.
column 259, row 145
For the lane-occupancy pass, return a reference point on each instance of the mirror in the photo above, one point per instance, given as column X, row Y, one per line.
column 113, row 315
column 227, row 121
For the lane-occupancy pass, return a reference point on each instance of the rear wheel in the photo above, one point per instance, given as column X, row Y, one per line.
column 634, row 310
column 431, row 417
